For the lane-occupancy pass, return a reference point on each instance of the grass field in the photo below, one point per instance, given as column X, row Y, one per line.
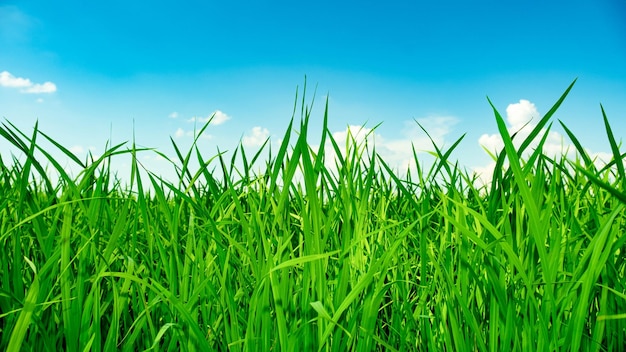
column 358, row 258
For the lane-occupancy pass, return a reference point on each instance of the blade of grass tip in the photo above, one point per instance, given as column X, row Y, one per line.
column 202, row 171
column 208, row 175
column 29, row 152
column 246, row 166
column 453, row 146
column 621, row 196
column 338, row 154
column 319, row 158
column 537, row 152
column 615, row 149
column 497, row 176
column 133, row 153
column 280, row 157
column 225, row 174
column 12, row 137
column 443, row 157
column 581, row 151
column 418, row 167
column 491, row 154
column 206, row 125
column 59, row 168
column 187, row 158
column 259, row 152
column 233, row 159
column 303, row 106
column 398, row 182
column 330, row 184
column 609, row 165
column 180, row 171
column 497, row 179
column 544, row 120
column 65, row 151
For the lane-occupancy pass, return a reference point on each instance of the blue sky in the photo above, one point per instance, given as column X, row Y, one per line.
column 96, row 72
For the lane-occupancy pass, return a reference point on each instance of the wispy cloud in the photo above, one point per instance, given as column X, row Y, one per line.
column 180, row 133
column 217, row 118
column 25, row 85
column 46, row 87
column 77, row 149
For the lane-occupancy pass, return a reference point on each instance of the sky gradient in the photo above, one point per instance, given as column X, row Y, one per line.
column 92, row 73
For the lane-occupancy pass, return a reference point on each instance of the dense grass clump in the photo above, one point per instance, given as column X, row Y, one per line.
column 352, row 257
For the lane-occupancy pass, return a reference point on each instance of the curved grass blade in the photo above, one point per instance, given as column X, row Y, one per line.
column 615, row 149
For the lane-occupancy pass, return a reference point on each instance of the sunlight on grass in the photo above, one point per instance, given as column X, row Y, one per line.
column 311, row 255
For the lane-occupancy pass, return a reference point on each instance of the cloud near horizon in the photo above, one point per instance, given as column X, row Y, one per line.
column 25, row 85
column 397, row 152
column 180, row 133
column 256, row 137
column 217, row 117
column 522, row 118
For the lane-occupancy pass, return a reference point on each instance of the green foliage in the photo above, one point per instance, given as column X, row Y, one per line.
column 352, row 257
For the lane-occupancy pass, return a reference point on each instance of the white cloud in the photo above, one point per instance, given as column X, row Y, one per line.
column 46, row 87
column 39, row 100
column 217, row 118
column 77, row 149
column 492, row 142
column 358, row 133
column 173, row 115
column 521, row 114
column 396, row 150
column 256, row 137
column 485, row 173
column 26, row 85
column 8, row 80
column 522, row 118
column 179, row 133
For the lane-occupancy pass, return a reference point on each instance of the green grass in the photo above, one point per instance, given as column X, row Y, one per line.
column 353, row 257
